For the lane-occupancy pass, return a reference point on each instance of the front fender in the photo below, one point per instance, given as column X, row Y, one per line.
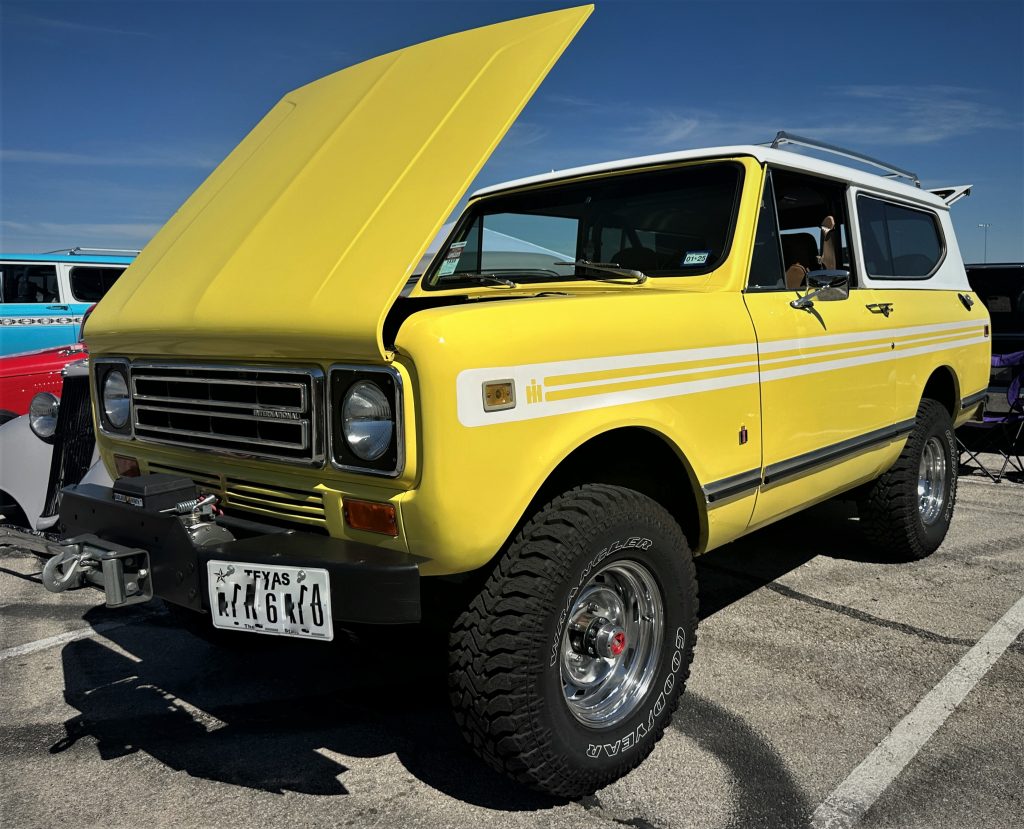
column 25, row 469
column 480, row 471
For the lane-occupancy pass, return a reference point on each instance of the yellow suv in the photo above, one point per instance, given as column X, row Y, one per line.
column 602, row 373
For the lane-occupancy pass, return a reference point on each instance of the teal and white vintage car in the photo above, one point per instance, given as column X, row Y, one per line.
column 44, row 295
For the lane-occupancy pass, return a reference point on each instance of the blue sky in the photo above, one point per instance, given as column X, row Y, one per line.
column 112, row 113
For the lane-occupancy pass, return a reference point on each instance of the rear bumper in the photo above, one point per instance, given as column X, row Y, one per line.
column 368, row 584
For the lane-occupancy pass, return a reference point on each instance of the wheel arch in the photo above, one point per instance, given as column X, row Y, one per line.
column 639, row 458
column 943, row 386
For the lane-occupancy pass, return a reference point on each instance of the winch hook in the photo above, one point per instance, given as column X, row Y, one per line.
column 56, row 578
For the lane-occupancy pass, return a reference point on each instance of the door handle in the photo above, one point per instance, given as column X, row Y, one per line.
column 58, row 307
column 883, row 308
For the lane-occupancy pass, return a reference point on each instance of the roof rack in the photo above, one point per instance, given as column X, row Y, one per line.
column 76, row 251
column 892, row 172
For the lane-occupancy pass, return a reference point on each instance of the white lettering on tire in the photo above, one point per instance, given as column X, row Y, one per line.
column 633, row 738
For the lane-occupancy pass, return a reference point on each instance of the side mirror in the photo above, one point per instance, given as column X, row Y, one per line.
column 826, row 286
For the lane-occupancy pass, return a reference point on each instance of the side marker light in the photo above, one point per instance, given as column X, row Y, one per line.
column 499, row 395
column 370, row 516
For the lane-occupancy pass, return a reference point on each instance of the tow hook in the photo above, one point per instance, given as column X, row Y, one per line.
column 63, row 570
column 123, row 573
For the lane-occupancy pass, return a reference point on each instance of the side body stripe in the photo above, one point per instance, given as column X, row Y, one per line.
column 562, row 387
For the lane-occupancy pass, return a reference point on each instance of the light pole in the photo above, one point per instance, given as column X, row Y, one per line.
column 986, row 226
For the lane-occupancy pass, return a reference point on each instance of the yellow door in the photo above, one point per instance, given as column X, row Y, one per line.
column 824, row 404
column 827, row 416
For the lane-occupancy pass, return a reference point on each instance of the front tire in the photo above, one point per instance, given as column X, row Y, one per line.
column 568, row 664
column 906, row 513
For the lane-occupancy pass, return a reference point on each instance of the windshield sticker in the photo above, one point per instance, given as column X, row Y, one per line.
column 451, row 259
column 696, row 257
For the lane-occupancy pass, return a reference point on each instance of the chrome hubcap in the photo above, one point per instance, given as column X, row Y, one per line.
column 611, row 644
column 931, row 481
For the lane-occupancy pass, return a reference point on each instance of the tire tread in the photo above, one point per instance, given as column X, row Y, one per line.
column 490, row 667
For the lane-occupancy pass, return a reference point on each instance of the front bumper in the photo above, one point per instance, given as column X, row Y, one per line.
column 134, row 554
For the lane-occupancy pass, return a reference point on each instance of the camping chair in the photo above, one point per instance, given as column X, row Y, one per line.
column 1000, row 433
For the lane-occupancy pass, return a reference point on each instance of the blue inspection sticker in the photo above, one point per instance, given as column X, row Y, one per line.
column 696, row 257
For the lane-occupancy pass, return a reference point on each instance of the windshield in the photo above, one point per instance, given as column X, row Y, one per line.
column 661, row 223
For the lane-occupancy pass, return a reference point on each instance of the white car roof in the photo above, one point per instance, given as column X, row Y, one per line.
column 766, row 155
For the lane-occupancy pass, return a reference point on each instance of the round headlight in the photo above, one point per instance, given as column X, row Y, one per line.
column 116, row 402
column 42, row 415
column 366, row 420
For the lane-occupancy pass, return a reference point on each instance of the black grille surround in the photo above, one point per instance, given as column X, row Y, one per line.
column 253, row 411
column 73, row 441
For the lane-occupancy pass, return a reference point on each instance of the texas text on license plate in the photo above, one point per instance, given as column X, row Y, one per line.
column 287, row 601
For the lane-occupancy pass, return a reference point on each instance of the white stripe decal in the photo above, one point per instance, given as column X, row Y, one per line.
column 728, row 366
column 861, row 336
column 849, row 362
column 587, row 384
column 529, row 378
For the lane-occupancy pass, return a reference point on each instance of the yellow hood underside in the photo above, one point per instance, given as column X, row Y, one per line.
column 298, row 243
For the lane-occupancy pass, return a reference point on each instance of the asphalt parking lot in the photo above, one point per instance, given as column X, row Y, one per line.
column 810, row 654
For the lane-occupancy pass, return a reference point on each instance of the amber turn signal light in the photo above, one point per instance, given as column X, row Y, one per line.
column 370, row 516
column 499, row 395
column 126, row 467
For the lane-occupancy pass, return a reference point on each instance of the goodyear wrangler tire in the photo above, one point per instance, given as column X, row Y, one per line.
column 567, row 666
column 906, row 513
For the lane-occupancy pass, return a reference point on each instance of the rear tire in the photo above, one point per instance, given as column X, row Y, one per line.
column 600, row 558
column 907, row 511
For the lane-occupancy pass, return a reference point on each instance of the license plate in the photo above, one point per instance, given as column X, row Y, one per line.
column 284, row 601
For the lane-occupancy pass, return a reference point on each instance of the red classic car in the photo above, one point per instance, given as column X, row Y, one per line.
column 23, row 376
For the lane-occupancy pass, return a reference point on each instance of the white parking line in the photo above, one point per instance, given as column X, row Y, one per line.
column 60, row 639
column 856, row 794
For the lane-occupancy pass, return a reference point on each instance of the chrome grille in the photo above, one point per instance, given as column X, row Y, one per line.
column 270, row 500
column 73, row 441
column 256, row 411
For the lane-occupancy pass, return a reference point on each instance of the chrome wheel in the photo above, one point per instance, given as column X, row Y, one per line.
column 931, row 480
column 611, row 644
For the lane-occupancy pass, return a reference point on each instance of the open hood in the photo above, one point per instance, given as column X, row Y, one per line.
column 298, row 243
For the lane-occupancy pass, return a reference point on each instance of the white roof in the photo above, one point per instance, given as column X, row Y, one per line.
column 775, row 157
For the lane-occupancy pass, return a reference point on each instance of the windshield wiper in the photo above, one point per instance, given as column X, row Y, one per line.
column 638, row 277
column 483, row 279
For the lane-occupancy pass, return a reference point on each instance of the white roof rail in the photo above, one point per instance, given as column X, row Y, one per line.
column 783, row 138
column 80, row 251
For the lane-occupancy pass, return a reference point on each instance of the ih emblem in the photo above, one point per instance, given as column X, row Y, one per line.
column 534, row 392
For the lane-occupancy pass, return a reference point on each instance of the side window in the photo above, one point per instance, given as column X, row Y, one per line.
column 28, row 283
column 90, row 284
column 766, row 273
column 812, row 226
column 899, row 242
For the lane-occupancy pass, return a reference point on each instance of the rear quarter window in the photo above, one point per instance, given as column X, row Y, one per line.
column 899, row 242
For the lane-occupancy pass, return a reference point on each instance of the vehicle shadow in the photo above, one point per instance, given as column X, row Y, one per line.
column 275, row 718
column 290, row 716
column 736, row 570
